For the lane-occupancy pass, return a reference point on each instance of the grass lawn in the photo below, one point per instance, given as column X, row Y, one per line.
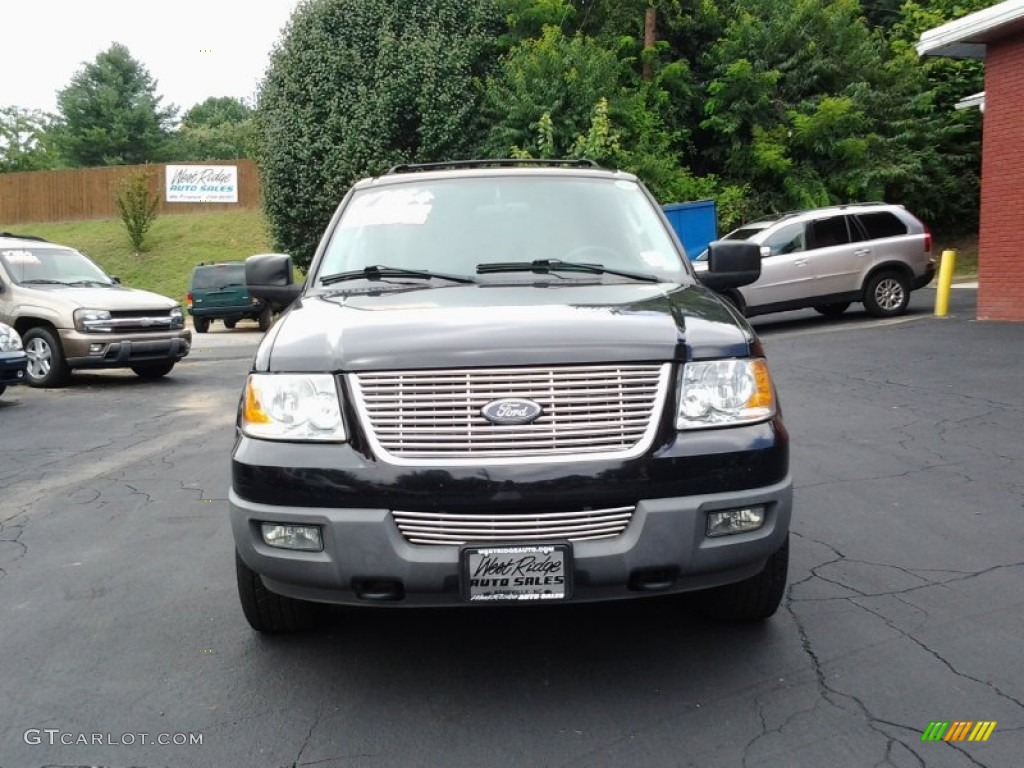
column 175, row 244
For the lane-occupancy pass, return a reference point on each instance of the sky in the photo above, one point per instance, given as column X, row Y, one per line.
column 194, row 49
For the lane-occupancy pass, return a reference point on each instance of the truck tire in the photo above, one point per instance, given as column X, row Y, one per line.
column 753, row 599
column 201, row 324
column 270, row 613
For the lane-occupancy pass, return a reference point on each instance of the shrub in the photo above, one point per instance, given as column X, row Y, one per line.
column 136, row 205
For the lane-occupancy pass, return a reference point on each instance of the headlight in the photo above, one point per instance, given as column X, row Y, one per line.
column 177, row 318
column 289, row 406
column 720, row 393
column 10, row 341
column 92, row 320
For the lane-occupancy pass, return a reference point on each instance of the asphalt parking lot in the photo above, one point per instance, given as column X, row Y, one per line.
column 905, row 606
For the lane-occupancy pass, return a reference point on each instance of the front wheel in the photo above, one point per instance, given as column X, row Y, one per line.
column 46, row 364
column 269, row 612
column 155, row 371
column 753, row 599
column 887, row 294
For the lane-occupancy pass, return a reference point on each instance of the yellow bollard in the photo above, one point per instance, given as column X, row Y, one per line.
column 945, row 282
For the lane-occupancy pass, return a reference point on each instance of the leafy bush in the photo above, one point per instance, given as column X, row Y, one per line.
column 137, row 206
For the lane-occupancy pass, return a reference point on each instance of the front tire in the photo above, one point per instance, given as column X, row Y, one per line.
column 887, row 294
column 155, row 371
column 271, row 613
column 46, row 364
column 753, row 599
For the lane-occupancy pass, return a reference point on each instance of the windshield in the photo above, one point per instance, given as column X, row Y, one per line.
column 743, row 233
column 454, row 225
column 51, row 265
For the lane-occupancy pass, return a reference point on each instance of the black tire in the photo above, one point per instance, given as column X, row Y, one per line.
column 887, row 294
column 832, row 310
column 201, row 324
column 271, row 613
column 265, row 318
column 230, row 324
column 47, row 366
column 3, row 388
column 153, row 371
column 753, row 599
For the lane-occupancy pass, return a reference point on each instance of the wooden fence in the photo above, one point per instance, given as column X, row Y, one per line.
column 88, row 193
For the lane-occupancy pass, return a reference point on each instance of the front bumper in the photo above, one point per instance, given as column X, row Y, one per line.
column 93, row 350
column 12, row 368
column 663, row 550
column 351, row 495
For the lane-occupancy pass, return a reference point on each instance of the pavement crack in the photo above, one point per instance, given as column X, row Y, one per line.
column 938, row 656
column 136, row 492
column 305, row 742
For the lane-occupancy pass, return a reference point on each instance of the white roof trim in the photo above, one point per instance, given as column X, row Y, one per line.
column 965, row 38
column 974, row 100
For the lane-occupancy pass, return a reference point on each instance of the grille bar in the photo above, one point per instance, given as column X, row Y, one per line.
column 453, row 530
column 414, row 417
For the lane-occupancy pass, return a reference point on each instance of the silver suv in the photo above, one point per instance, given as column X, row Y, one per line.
column 827, row 258
column 71, row 314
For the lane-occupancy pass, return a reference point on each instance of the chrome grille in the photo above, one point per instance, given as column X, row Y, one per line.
column 413, row 417
column 453, row 530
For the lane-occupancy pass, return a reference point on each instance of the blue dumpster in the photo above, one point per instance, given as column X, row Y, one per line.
column 696, row 224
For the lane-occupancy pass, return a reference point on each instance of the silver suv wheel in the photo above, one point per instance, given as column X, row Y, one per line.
column 40, row 358
column 889, row 294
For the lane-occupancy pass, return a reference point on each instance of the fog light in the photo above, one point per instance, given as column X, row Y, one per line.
column 735, row 521
column 304, row 537
column 95, row 349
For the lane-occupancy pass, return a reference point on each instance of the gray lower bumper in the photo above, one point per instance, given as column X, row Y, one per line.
column 666, row 539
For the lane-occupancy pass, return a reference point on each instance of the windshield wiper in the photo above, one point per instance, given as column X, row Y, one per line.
column 43, row 281
column 544, row 266
column 90, row 282
column 380, row 272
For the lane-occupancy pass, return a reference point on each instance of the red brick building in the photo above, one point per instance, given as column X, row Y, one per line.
column 996, row 35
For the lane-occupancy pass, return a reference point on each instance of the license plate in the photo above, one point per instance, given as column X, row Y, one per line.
column 516, row 572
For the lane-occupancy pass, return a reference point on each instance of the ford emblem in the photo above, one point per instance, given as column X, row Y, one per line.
column 511, row 410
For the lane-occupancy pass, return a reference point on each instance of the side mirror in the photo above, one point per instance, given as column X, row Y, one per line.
column 116, row 279
column 731, row 264
column 269, row 277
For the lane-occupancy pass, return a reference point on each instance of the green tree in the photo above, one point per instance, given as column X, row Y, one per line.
column 357, row 85
column 26, row 140
column 216, row 111
column 110, row 113
column 219, row 128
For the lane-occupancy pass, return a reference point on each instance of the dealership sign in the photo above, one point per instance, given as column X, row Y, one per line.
column 202, row 183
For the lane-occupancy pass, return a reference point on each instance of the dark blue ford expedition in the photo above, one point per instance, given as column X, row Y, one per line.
column 502, row 382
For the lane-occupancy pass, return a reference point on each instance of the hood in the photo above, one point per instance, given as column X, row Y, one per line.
column 117, row 298
column 486, row 325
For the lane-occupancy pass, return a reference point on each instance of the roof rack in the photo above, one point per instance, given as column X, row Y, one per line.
column 24, row 237
column 505, row 162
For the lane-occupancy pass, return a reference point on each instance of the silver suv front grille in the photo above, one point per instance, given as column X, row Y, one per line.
column 453, row 530
column 591, row 411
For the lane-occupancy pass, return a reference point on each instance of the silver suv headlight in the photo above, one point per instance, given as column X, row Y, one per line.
column 92, row 320
column 10, row 341
column 177, row 318
column 723, row 393
column 292, row 406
